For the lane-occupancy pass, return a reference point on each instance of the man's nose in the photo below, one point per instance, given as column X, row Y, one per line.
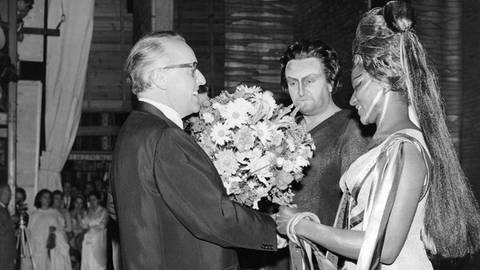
column 353, row 100
column 301, row 90
column 200, row 78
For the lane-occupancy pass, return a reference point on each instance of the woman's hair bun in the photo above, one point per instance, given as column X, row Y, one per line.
column 399, row 16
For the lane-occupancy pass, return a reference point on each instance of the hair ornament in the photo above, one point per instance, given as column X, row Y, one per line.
column 399, row 16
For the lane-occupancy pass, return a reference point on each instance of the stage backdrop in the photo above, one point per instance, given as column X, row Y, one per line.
column 256, row 35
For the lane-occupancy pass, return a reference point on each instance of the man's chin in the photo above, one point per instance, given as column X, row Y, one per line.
column 304, row 110
column 195, row 108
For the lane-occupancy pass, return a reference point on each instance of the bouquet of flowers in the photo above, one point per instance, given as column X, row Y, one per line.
column 255, row 144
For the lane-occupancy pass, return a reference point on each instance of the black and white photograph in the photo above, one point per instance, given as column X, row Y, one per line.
column 239, row 135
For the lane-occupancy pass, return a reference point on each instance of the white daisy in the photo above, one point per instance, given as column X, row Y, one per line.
column 226, row 163
column 265, row 103
column 249, row 89
column 263, row 132
column 220, row 134
column 208, row 117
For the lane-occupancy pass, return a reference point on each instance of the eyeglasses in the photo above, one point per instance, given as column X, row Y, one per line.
column 193, row 66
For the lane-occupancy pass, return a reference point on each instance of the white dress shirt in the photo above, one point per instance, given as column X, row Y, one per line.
column 170, row 113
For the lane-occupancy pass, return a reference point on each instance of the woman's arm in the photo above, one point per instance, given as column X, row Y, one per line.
column 68, row 221
column 349, row 242
column 102, row 224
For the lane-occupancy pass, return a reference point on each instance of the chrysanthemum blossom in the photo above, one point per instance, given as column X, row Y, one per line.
column 283, row 179
column 207, row 144
column 226, row 163
column 236, row 112
column 249, row 89
column 244, row 139
column 263, row 132
column 301, row 161
column 220, row 134
column 219, row 107
column 265, row 103
column 208, row 117
column 277, row 137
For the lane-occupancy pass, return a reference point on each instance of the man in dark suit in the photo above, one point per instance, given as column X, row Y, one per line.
column 7, row 231
column 172, row 209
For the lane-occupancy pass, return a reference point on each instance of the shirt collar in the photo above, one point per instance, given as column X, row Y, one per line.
column 3, row 205
column 170, row 113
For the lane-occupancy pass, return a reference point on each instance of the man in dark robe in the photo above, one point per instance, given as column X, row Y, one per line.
column 171, row 206
column 310, row 72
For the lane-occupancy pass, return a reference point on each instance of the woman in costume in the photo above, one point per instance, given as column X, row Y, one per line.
column 407, row 197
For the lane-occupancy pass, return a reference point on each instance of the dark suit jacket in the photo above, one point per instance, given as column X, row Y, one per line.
column 7, row 241
column 171, row 206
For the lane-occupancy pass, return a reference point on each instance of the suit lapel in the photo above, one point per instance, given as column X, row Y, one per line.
column 150, row 109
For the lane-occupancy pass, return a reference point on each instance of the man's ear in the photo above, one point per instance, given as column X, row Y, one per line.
column 158, row 79
column 330, row 88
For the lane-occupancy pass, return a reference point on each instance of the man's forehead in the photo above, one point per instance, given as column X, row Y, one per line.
column 304, row 67
column 178, row 50
column 305, row 62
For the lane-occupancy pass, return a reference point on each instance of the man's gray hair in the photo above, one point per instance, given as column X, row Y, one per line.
column 143, row 58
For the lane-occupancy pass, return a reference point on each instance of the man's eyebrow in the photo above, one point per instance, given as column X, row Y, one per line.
column 306, row 76
column 359, row 82
column 312, row 75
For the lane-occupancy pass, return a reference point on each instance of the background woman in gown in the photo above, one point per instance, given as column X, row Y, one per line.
column 411, row 170
column 57, row 203
column 77, row 213
column 48, row 252
column 94, row 248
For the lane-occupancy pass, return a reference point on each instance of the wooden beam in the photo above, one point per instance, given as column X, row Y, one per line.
column 41, row 31
column 162, row 15
column 98, row 130
column 12, row 101
column 90, row 155
column 105, row 106
column 3, row 119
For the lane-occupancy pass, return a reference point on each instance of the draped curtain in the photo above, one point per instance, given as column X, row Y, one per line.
column 65, row 84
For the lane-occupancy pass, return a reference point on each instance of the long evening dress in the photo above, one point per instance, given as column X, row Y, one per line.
column 94, row 247
column 39, row 226
column 360, row 182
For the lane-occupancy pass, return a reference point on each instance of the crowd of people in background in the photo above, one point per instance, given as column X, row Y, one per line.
column 67, row 229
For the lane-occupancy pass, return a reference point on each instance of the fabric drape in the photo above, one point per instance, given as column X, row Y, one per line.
column 65, row 84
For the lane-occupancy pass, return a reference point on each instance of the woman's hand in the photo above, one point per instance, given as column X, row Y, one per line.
column 284, row 215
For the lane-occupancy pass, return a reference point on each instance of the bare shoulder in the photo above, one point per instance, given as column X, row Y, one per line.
column 414, row 163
